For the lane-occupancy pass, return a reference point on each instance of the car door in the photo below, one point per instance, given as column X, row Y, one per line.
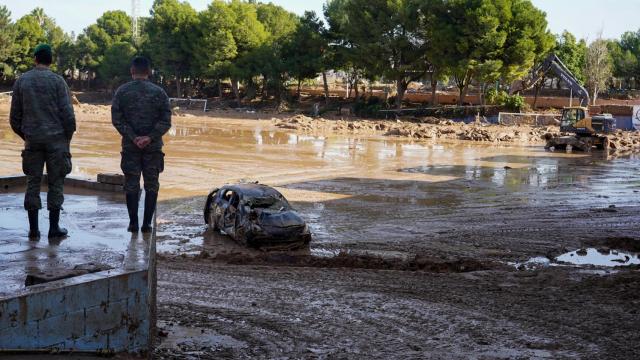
column 209, row 209
column 229, row 211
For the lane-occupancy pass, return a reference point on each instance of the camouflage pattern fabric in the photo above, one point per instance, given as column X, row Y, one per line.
column 41, row 109
column 55, row 154
column 148, row 163
column 141, row 108
column 42, row 115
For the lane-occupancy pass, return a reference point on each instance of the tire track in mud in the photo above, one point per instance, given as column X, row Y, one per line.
column 363, row 314
column 630, row 225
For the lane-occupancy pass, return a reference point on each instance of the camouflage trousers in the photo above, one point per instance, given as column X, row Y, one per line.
column 56, row 156
column 148, row 163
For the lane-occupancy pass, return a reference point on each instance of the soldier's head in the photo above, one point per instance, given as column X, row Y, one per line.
column 43, row 55
column 140, row 68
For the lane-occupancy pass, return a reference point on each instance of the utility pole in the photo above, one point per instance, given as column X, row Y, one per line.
column 135, row 14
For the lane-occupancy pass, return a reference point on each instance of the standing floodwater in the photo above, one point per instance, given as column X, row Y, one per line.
column 372, row 193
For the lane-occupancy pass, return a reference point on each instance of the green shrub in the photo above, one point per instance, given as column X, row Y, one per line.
column 496, row 97
column 515, row 103
column 501, row 98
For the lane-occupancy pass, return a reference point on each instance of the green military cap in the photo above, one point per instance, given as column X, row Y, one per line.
column 42, row 48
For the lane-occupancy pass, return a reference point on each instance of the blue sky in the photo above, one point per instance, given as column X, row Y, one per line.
column 584, row 18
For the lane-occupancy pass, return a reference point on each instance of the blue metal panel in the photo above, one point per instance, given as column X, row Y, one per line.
column 109, row 313
column 8, row 314
column 24, row 336
column 624, row 122
column 54, row 331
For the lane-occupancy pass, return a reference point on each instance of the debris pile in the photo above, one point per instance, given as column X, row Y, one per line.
column 625, row 141
column 92, row 109
column 304, row 123
column 423, row 128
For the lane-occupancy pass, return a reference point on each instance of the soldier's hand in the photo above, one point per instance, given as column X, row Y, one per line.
column 142, row 141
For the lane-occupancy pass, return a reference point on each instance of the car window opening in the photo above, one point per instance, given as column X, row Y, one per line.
column 235, row 200
column 229, row 196
column 267, row 203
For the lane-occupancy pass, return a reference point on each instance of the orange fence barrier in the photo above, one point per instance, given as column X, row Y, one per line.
column 615, row 107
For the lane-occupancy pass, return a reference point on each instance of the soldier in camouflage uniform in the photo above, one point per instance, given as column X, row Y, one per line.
column 142, row 115
column 42, row 115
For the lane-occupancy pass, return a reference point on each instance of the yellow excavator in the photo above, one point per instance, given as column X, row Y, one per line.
column 587, row 131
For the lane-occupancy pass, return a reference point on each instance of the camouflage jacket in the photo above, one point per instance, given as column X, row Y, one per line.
column 140, row 108
column 41, row 108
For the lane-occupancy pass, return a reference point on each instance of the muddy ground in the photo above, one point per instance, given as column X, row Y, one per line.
column 283, row 312
column 423, row 248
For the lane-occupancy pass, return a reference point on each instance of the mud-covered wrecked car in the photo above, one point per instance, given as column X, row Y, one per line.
column 255, row 215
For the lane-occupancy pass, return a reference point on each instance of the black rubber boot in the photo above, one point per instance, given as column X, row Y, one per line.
column 132, row 208
column 55, row 231
column 150, row 200
column 34, row 229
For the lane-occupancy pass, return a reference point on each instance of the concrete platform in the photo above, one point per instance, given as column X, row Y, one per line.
column 92, row 291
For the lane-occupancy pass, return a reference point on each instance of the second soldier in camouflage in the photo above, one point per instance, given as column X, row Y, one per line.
column 142, row 115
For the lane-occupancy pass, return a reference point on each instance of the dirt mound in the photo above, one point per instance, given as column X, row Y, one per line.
column 93, row 109
column 625, row 141
column 306, row 124
column 422, row 128
column 447, row 129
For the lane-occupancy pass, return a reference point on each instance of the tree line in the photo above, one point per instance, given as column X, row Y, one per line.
column 261, row 49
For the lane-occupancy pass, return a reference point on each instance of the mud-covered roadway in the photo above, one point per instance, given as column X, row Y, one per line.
column 421, row 247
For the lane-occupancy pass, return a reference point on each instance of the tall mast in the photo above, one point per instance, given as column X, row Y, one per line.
column 135, row 14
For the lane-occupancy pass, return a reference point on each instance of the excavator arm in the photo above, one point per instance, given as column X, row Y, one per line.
column 552, row 64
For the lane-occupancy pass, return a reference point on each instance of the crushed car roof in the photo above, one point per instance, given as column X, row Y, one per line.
column 253, row 190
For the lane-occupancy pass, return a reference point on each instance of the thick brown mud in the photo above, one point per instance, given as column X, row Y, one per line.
column 283, row 312
column 413, row 250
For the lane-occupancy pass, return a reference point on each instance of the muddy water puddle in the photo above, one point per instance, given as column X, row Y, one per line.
column 589, row 257
column 193, row 342
column 599, row 257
